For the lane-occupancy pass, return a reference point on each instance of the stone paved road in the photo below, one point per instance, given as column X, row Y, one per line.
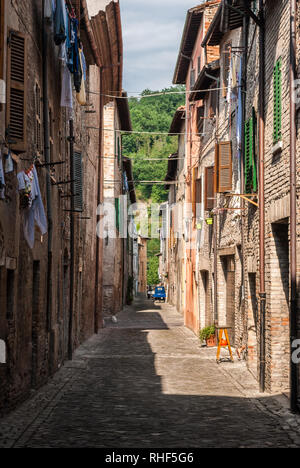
column 145, row 382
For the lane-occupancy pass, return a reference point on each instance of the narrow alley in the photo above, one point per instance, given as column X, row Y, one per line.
column 145, row 382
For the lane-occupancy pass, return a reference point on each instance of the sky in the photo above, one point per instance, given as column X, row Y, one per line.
column 152, row 31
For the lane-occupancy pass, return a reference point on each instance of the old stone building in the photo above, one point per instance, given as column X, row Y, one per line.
column 241, row 181
column 51, row 274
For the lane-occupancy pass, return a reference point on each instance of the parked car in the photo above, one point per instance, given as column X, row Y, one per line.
column 160, row 294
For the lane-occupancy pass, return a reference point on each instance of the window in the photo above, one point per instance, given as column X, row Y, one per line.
column 38, row 118
column 250, row 157
column 209, row 194
column 223, row 166
column 199, row 65
column 77, row 185
column 226, row 66
column 117, row 208
column 16, row 90
column 277, row 101
column 192, row 79
column 213, row 102
column 200, row 119
column 194, row 178
column 198, row 194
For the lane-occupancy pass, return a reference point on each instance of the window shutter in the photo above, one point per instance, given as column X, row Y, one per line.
column 277, row 101
column 16, row 90
column 209, row 189
column 250, row 159
column 223, row 165
column 117, row 208
column 78, row 182
column 198, row 196
column 200, row 119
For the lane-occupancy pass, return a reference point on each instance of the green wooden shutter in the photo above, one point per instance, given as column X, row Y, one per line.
column 117, row 207
column 77, row 184
column 277, row 101
column 250, row 159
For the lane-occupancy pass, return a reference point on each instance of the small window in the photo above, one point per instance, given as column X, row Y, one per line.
column 200, row 119
column 209, row 197
column 117, row 208
column 213, row 102
column 192, row 79
column 199, row 65
column 277, row 79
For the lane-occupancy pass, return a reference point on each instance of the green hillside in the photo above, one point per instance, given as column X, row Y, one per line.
column 153, row 114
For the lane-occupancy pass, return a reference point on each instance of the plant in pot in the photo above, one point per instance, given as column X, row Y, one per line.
column 208, row 334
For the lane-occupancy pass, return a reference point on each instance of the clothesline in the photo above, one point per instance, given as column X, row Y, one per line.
column 141, row 96
column 146, row 133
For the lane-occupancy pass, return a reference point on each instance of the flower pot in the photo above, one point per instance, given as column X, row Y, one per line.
column 211, row 342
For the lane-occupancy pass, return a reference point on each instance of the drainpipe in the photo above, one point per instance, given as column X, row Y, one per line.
column 293, row 207
column 47, row 160
column 262, row 289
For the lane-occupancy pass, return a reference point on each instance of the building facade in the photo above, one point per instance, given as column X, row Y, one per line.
column 51, row 183
column 241, row 182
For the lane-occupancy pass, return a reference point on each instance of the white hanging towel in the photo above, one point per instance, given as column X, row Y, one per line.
column 66, row 88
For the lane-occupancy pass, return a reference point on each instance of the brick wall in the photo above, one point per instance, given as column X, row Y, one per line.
column 37, row 344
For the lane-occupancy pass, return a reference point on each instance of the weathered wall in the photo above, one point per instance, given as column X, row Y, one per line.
column 37, row 342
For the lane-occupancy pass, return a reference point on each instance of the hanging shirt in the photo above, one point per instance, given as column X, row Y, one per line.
column 48, row 11
column 60, row 22
column 34, row 213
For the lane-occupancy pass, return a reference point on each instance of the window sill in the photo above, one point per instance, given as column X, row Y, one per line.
column 277, row 148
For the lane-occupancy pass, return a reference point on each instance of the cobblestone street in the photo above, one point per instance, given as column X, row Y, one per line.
column 145, row 382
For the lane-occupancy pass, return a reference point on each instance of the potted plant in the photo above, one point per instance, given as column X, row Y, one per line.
column 208, row 334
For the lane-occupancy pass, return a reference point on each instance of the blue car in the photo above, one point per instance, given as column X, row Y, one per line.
column 160, row 294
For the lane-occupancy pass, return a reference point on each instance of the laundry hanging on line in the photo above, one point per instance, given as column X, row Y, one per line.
column 71, row 55
column 32, row 205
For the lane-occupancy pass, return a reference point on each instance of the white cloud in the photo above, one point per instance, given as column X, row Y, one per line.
column 152, row 33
